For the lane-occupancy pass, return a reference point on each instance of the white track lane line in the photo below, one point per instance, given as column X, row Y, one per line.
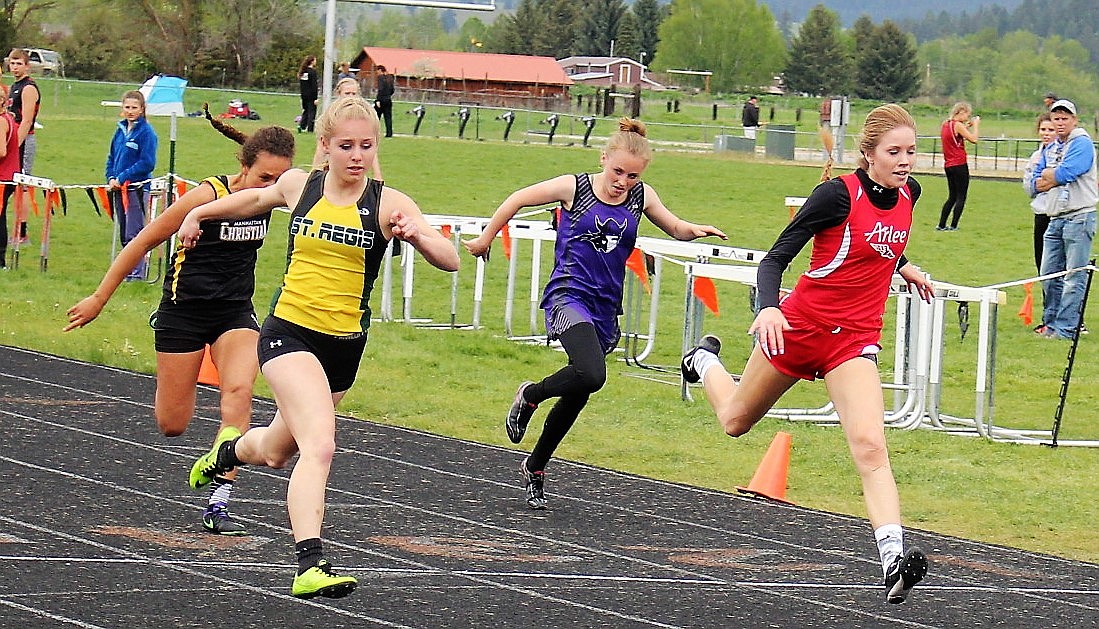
column 538, row 594
column 178, row 567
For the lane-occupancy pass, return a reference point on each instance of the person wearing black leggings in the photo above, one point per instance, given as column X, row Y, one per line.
column 596, row 229
column 955, row 131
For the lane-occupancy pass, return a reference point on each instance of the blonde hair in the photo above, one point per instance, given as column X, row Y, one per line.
column 959, row 107
column 879, row 121
column 630, row 137
column 345, row 81
column 344, row 109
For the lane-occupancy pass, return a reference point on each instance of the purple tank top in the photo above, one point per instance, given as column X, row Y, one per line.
column 594, row 240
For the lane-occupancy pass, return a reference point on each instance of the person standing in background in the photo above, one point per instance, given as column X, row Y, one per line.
column 956, row 130
column 309, row 88
column 9, row 165
column 1049, row 99
column 23, row 102
column 749, row 117
column 345, row 72
column 827, row 140
column 1068, row 171
column 130, row 163
column 1040, row 203
column 383, row 99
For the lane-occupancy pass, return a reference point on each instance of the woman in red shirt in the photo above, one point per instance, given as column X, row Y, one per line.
column 954, row 132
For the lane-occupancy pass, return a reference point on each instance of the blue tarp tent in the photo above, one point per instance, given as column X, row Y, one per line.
column 164, row 95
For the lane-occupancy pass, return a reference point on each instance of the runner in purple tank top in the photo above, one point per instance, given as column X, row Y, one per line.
column 596, row 230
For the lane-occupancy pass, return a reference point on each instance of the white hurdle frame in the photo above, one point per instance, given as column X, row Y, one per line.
column 919, row 354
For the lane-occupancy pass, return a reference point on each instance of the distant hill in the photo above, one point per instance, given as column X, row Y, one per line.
column 880, row 10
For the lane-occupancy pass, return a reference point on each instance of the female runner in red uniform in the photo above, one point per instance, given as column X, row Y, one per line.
column 830, row 325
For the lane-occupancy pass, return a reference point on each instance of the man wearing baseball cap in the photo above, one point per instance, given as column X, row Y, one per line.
column 1068, row 169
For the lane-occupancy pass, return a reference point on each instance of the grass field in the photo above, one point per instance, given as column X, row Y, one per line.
column 460, row 382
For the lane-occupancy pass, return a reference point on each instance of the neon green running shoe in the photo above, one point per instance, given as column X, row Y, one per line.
column 320, row 580
column 206, row 467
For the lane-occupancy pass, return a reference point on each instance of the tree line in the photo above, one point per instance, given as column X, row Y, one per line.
column 260, row 43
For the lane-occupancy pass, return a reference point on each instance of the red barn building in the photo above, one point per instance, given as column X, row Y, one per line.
column 468, row 77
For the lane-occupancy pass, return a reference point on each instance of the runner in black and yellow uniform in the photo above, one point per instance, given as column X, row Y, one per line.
column 207, row 300
column 311, row 344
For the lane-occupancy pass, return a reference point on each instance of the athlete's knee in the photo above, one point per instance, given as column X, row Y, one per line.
column 591, row 381
column 869, row 453
column 319, row 451
column 736, row 420
column 172, row 422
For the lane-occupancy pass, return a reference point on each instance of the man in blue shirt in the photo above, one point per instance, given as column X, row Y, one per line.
column 1068, row 169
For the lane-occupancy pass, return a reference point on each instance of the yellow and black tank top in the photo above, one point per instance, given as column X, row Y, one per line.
column 332, row 259
column 222, row 265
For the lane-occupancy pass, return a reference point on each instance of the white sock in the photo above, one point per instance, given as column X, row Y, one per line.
column 702, row 360
column 890, row 538
column 220, row 490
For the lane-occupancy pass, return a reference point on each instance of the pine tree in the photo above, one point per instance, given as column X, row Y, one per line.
column 599, row 26
column 649, row 16
column 819, row 63
column 887, row 66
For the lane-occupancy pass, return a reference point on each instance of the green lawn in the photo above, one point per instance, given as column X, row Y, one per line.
column 460, row 382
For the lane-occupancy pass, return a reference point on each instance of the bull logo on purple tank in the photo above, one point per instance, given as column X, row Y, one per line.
column 606, row 236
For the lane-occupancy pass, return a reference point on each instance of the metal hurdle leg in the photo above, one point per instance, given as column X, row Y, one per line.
column 509, row 300
column 535, row 284
column 478, row 291
column 386, row 307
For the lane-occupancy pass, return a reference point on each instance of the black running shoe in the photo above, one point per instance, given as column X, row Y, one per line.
column 711, row 344
column 534, row 483
column 904, row 574
column 217, row 520
column 519, row 414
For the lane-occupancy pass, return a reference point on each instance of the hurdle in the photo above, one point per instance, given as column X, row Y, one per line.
column 28, row 183
column 635, row 329
column 662, row 250
column 919, row 356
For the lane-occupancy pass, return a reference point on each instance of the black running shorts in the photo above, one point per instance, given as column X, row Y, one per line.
column 339, row 355
column 191, row 326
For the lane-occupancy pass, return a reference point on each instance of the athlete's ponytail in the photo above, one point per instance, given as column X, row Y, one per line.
column 274, row 140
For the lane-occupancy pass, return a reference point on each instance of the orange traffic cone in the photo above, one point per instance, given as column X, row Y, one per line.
column 770, row 477
column 208, row 373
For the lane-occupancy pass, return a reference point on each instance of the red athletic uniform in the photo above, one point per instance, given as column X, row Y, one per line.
column 836, row 309
column 953, row 145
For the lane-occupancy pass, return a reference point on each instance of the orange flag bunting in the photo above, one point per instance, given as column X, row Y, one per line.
column 34, row 202
column 125, row 197
column 1026, row 311
column 636, row 263
column 101, row 192
column 506, row 236
column 20, row 205
column 181, row 188
column 446, row 231
column 704, row 290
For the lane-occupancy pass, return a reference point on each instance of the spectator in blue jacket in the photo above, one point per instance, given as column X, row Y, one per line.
column 130, row 164
column 1068, row 172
